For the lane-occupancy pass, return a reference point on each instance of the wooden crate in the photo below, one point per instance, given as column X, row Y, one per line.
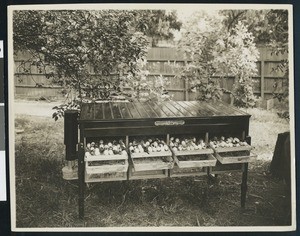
column 153, row 161
column 100, row 170
column 209, row 160
column 148, row 174
column 229, row 155
column 235, row 158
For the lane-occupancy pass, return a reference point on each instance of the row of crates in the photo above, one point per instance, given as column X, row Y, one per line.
column 168, row 162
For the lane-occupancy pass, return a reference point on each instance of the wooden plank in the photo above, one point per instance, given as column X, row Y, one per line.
column 150, row 174
column 183, row 109
column 235, row 159
column 173, row 109
column 98, row 112
column 202, row 110
column 158, row 164
column 226, row 109
column 197, row 108
column 232, row 149
column 134, row 113
column 193, row 152
column 210, row 161
column 262, row 79
column 157, row 109
column 215, row 111
column 115, row 111
column 124, row 110
column 102, row 169
column 117, row 176
column 165, row 110
column 185, row 105
column 152, row 154
column 150, row 110
column 106, row 111
column 105, row 157
column 141, row 110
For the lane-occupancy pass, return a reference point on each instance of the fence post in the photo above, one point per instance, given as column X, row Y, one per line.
column 186, row 91
column 262, row 79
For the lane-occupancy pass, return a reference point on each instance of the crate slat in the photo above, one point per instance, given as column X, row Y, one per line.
column 152, row 154
column 118, row 176
column 193, row 152
column 232, row 149
column 149, row 174
column 210, row 161
column 102, row 169
column 235, row 159
column 155, row 165
column 106, row 157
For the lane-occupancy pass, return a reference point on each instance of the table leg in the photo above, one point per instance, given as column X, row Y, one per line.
column 244, row 185
column 81, row 182
column 244, row 179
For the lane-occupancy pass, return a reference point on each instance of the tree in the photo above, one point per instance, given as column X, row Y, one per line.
column 157, row 24
column 237, row 55
column 214, row 51
column 269, row 28
column 199, row 37
column 74, row 42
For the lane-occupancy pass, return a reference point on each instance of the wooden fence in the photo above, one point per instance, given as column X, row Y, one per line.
column 160, row 62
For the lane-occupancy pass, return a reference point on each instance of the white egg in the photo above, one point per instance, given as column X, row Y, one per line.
column 110, row 152
column 97, row 151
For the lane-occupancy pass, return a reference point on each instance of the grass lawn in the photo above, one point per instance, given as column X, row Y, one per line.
column 45, row 199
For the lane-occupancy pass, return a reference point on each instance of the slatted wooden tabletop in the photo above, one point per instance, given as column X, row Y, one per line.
column 166, row 109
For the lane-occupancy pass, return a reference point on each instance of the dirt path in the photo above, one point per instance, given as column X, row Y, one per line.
column 35, row 108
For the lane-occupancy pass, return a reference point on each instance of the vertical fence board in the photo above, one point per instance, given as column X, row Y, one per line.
column 164, row 61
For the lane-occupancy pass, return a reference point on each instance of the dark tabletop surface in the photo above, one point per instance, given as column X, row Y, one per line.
column 154, row 110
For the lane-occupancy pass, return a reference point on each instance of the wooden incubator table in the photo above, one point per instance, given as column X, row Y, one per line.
column 134, row 140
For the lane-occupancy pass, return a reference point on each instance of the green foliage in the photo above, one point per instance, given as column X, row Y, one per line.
column 237, row 55
column 199, row 36
column 269, row 27
column 157, row 24
column 213, row 51
column 142, row 88
column 90, row 52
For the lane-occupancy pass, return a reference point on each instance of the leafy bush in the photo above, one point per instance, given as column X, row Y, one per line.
column 213, row 53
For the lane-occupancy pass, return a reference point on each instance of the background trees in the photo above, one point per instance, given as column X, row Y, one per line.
column 102, row 54
column 216, row 51
column 68, row 44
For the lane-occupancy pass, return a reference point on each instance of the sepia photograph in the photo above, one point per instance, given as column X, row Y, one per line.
column 161, row 117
